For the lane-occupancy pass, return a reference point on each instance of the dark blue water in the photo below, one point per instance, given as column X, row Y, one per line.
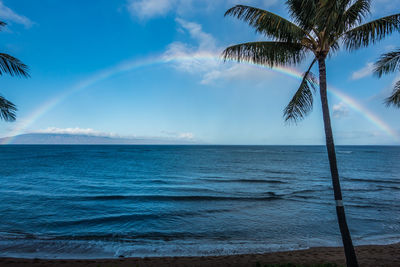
column 107, row 201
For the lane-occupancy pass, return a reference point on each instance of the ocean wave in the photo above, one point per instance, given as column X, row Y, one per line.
column 370, row 151
column 178, row 198
column 133, row 236
column 120, row 219
column 278, row 172
column 258, row 181
column 372, row 180
column 382, row 187
column 303, row 197
column 362, row 189
column 304, row 194
column 364, row 206
column 76, row 249
column 123, row 218
column 305, row 191
column 344, row 152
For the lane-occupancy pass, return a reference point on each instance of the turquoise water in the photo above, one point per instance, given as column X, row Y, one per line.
column 108, row 201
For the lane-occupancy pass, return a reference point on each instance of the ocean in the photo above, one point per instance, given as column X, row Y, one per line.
column 136, row 201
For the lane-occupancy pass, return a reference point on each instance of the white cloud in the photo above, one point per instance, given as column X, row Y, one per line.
column 364, row 72
column 7, row 14
column 147, row 9
column 200, row 58
column 340, row 110
column 186, row 136
column 204, row 58
column 77, row 131
column 205, row 40
column 236, row 72
column 190, row 59
column 179, row 136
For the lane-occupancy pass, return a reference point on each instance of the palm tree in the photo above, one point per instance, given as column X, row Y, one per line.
column 318, row 28
column 14, row 67
column 390, row 62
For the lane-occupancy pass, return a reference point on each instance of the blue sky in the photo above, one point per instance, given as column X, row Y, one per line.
column 193, row 97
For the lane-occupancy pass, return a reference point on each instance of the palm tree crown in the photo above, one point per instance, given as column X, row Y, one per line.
column 318, row 27
column 388, row 63
column 14, row 67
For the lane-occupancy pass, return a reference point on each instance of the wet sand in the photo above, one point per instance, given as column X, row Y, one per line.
column 386, row 255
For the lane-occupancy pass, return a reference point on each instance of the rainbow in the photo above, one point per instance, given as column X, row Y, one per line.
column 356, row 106
column 198, row 58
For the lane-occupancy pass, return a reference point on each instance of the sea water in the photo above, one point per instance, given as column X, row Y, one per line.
column 134, row 201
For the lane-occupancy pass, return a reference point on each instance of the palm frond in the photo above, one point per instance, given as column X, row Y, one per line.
column 13, row 66
column 7, row 110
column 303, row 12
column 266, row 53
column 371, row 32
column 302, row 102
column 329, row 16
column 387, row 63
column 357, row 12
column 394, row 99
column 267, row 23
column 335, row 47
column 337, row 17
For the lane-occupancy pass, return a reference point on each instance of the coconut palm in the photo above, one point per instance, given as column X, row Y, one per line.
column 317, row 30
column 388, row 63
column 14, row 67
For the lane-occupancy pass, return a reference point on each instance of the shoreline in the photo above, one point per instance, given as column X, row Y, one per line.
column 368, row 255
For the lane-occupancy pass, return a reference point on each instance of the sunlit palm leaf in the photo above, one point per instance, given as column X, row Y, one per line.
column 389, row 62
column 12, row 66
column 266, row 53
column 371, row 32
column 7, row 110
column 302, row 102
column 267, row 23
column 394, row 99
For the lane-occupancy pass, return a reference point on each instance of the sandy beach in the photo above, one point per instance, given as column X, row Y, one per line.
column 374, row 255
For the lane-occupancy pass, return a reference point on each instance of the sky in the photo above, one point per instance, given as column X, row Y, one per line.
column 152, row 69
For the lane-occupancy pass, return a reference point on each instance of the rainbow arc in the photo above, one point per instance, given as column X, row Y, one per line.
column 135, row 64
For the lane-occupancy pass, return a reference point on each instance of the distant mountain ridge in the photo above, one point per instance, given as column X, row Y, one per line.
column 81, row 139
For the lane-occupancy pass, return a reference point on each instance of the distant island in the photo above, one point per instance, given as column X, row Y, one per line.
column 82, row 139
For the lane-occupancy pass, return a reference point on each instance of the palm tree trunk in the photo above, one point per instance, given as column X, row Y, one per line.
column 351, row 258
